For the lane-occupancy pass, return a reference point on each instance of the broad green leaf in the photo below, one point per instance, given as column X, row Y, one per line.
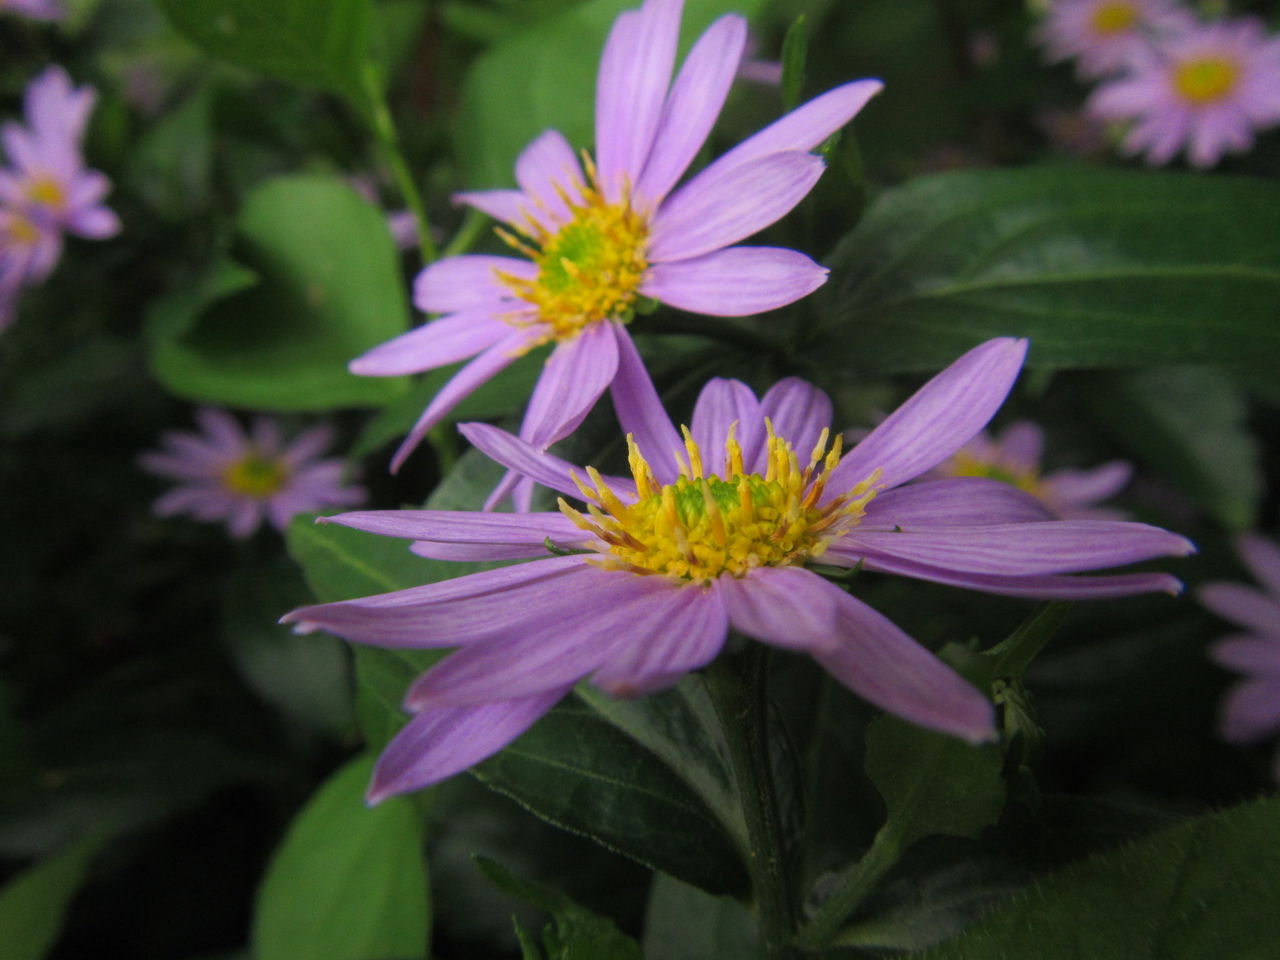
column 575, row 769
column 348, row 882
column 33, row 903
column 328, row 288
column 1205, row 888
column 684, row 923
column 577, row 934
column 341, row 564
column 1098, row 268
column 319, row 43
column 1189, row 425
column 544, row 76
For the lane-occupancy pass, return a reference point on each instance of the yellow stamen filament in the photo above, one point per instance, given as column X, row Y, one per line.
column 702, row 526
column 256, row 476
column 1112, row 18
column 1205, row 80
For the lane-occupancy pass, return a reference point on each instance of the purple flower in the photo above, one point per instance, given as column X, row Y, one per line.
column 602, row 236
column 713, row 531
column 227, row 474
column 1207, row 90
column 35, row 9
column 1105, row 36
column 1252, row 709
column 1014, row 457
column 29, row 250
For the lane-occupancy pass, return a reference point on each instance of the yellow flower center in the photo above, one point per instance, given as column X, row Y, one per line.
column 703, row 526
column 255, row 476
column 1024, row 478
column 47, row 192
column 21, row 232
column 1205, row 80
column 589, row 269
column 1112, row 18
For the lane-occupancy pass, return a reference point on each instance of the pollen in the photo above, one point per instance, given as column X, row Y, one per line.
column 727, row 522
column 589, row 268
column 1205, row 80
column 256, row 476
column 1025, row 478
column 1113, row 18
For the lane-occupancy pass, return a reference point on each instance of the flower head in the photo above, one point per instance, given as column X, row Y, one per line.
column 227, row 474
column 713, row 530
column 1206, row 90
column 597, row 236
column 35, row 9
column 1252, row 709
column 29, row 250
column 1014, row 457
column 1105, row 36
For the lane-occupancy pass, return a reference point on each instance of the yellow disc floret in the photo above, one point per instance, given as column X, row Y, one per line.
column 256, row 476
column 1205, row 80
column 20, row 231
column 702, row 526
column 1115, row 17
column 47, row 192
column 1026, row 478
column 589, row 269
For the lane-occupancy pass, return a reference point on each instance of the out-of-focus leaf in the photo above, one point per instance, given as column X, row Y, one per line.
column 319, row 43
column 1205, row 888
column 172, row 161
column 1189, row 425
column 348, row 882
column 684, row 923
column 1098, row 268
column 577, row 934
column 544, row 76
column 32, row 904
column 329, row 288
column 576, row 770
column 74, row 386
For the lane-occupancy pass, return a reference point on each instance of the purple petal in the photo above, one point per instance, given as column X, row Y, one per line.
column 957, row 501
column 720, row 206
column 721, row 404
column 939, row 419
column 576, row 374
column 1262, row 557
column 480, row 370
column 640, row 411
column 547, row 652
column 509, row 206
column 546, row 168
column 461, row 526
column 1257, row 656
column 880, row 663
column 799, row 412
column 1251, row 710
column 1022, row 442
column 443, row 741
column 1243, row 605
column 93, row 223
column 1022, row 549
column 684, row 631
column 538, row 465
column 691, row 108
column 478, row 552
column 436, row 343
column 635, row 70
column 787, row 607
column 734, row 282
column 463, row 283
column 1074, row 488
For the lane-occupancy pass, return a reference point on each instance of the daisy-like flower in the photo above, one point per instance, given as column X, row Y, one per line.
column 35, row 9
column 1105, row 36
column 602, row 235
column 29, row 250
column 712, row 531
column 1207, row 89
column 1252, row 709
column 227, row 474
column 1014, row 457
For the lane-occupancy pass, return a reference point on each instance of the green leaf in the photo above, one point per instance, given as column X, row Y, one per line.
column 795, row 52
column 341, row 564
column 328, row 288
column 1098, row 268
column 172, row 162
column 318, row 43
column 1205, row 888
column 33, row 903
column 578, row 933
column 544, row 76
column 684, row 923
column 348, row 882
column 575, row 769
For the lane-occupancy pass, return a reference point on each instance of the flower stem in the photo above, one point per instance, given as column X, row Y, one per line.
column 858, row 881
column 384, row 128
column 737, row 687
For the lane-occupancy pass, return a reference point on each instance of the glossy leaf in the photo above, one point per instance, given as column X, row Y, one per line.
column 328, row 287
column 1098, row 268
column 349, row 882
column 33, row 903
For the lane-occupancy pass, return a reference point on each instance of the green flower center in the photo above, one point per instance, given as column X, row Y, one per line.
column 256, row 476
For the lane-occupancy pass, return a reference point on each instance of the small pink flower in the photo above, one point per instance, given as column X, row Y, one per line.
column 1013, row 457
column 1104, row 36
column 601, row 236
column 227, row 474
column 1252, row 709
column 1206, row 90
column 35, row 9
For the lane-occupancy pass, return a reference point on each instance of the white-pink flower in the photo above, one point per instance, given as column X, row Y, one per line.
column 1206, row 90
column 1104, row 36
column 243, row 478
column 602, row 235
